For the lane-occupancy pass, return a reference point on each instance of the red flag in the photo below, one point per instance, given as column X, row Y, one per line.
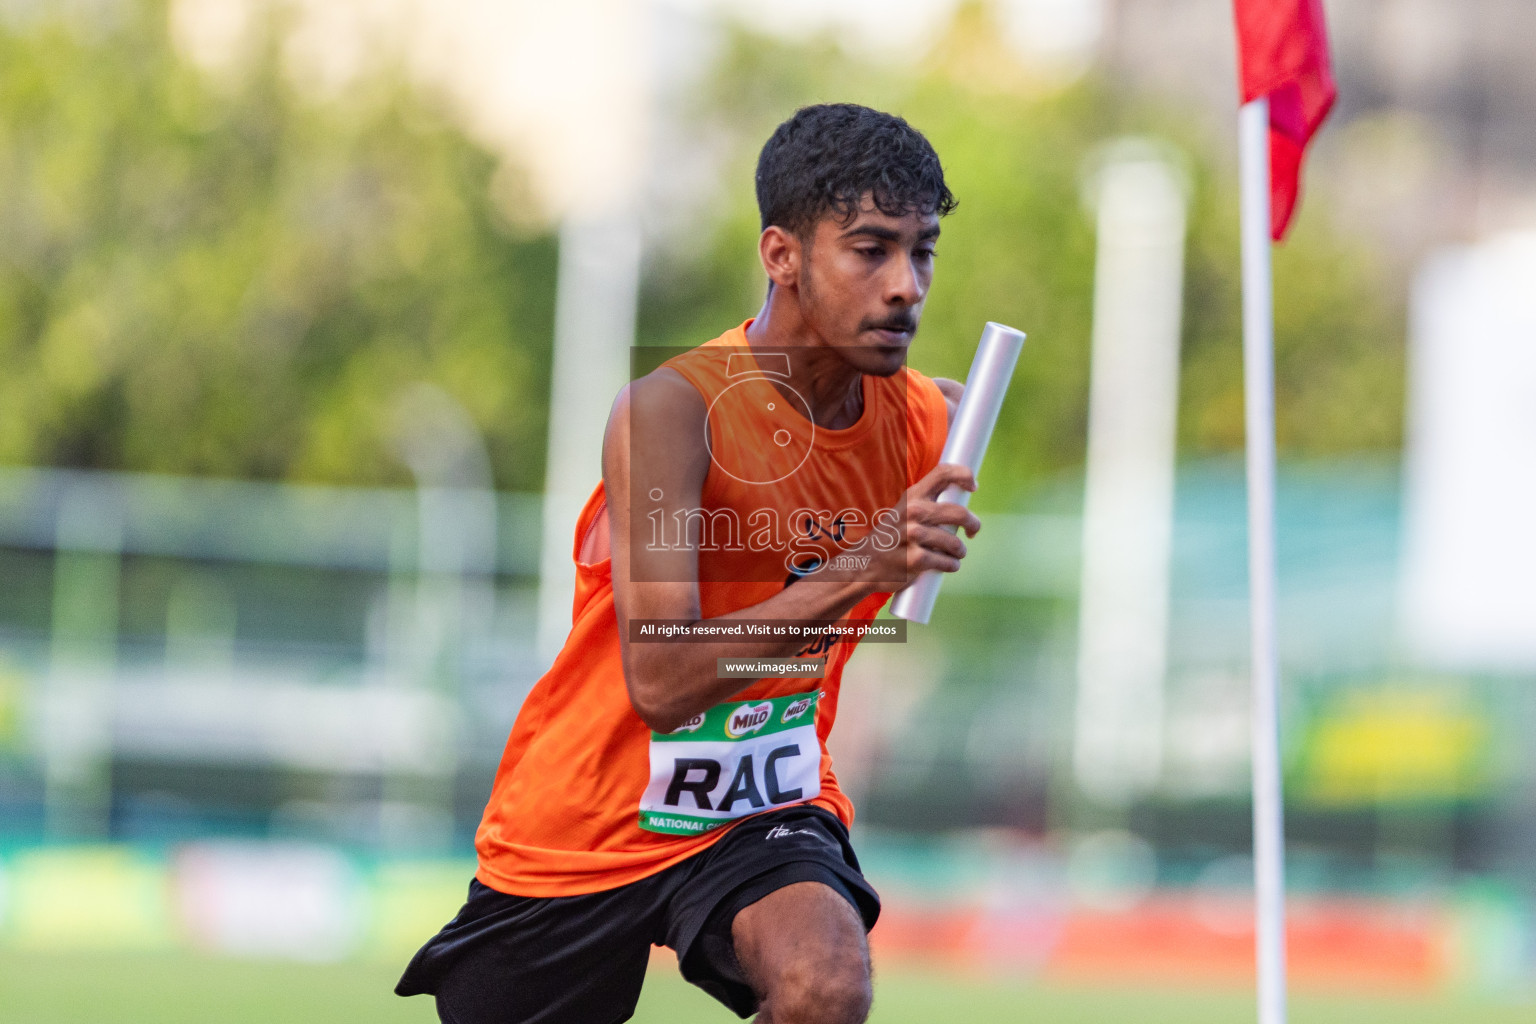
column 1282, row 48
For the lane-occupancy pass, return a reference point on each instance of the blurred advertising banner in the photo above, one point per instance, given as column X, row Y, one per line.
column 989, row 902
column 1470, row 486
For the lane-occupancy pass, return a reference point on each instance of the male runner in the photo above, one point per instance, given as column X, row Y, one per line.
column 777, row 479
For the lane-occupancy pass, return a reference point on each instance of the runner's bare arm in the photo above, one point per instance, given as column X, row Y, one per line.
column 656, row 440
column 952, row 391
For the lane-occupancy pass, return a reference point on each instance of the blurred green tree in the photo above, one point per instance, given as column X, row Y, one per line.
column 226, row 276
column 229, row 276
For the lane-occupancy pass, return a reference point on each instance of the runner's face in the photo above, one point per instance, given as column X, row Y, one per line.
column 863, row 283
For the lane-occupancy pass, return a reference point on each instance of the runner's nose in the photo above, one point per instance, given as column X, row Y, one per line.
column 905, row 285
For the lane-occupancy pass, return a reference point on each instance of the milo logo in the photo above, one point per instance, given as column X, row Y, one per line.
column 748, row 719
column 692, row 725
column 797, row 708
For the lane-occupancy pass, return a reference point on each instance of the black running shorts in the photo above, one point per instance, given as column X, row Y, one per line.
column 581, row 959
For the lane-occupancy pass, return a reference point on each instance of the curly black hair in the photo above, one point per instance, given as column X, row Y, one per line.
column 829, row 156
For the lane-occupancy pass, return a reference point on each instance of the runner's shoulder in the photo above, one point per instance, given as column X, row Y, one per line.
column 952, row 389
column 664, row 383
column 659, row 412
column 662, row 399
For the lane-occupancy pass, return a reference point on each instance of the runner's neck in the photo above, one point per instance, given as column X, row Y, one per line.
column 833, row 389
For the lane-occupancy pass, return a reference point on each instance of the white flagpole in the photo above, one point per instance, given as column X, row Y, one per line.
column 1259, row 398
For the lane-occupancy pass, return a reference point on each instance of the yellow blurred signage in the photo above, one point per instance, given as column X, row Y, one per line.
column 1396, row 744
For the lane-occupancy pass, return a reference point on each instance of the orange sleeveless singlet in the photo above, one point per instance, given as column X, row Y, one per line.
column 564, row 813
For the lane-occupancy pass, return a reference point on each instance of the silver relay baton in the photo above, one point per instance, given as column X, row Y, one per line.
column 985, row 387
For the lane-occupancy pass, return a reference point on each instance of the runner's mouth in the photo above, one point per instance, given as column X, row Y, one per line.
column 894, row 334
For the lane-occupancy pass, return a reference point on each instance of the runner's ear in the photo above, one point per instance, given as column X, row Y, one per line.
column 781, row 253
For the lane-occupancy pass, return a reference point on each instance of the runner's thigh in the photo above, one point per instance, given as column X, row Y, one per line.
column 561, row 960
column 803, row 950
column 756, row 859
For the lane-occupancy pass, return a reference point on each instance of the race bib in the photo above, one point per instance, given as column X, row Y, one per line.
column 731, row 761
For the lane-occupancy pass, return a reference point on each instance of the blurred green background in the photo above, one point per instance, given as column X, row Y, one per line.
column 233, row 278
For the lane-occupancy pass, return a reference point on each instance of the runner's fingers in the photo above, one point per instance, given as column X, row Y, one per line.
column 941, row 476
column 936, row 538
column 921, row 559
column 945, row 513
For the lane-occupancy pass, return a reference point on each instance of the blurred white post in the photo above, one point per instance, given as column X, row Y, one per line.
column 455, row 586
column 1469, row 497
column 594, row 329
column 1129, row 488
column 77, row 708
column 1259, row 400
column 593, row 166
column 456, row 528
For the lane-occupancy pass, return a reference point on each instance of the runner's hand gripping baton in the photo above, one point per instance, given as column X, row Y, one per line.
column 985, row 387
